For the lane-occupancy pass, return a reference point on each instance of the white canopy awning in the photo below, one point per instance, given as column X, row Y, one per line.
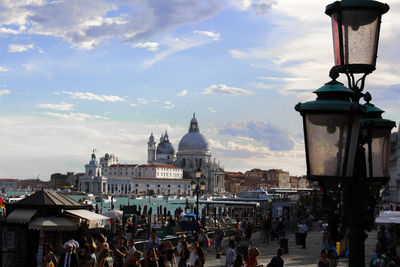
column 388, row 217
column 52, row 223
column 21, row 215
column 95, row 220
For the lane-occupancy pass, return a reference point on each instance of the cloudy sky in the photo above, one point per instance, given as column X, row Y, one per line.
column 101, row 74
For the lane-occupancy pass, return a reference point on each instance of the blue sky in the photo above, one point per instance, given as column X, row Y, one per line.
column 78, row 75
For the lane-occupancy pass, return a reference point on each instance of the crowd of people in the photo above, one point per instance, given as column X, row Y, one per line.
column 386, row 254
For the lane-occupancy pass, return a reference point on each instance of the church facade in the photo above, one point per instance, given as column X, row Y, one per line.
column 193, row 154
column 166, row 172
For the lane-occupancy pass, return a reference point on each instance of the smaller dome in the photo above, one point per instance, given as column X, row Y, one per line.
column 151, row 138
column 165, row 148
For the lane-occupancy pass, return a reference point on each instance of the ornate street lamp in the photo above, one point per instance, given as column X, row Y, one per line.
column 198, row 188
column 355, row 30
column 347, row 144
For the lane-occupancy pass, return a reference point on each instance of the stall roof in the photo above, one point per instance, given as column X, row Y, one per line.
column 95, row 220
column 21, row 215
column 52, row 223
column 230, row 203
column 48, row 198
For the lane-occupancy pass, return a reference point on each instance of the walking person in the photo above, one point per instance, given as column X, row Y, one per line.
column 50, row 259
column 184, row 254
column 248, row 231
column 120, row 253
column 230, row 254
column 303, row 233
column 219, row 236
column 267, row 226
column 203, row 240
column 170, row 254
column 201, row 259
column 193, row 254
column 69, row 257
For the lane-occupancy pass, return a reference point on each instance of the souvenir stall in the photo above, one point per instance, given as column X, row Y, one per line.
column 46, row 217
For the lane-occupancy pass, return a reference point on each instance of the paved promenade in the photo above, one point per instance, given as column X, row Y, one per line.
column 297, row 256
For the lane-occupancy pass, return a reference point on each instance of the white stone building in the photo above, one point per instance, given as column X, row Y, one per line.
column 166, row 172
column 93, row 181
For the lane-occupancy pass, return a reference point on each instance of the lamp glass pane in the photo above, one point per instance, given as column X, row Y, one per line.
column 360, row 30
column 336, row 42
column 380, row 153
column 193, row 185
column 202, row 186
column 327, row 137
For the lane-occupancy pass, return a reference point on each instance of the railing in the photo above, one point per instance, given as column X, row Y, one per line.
column 174, row 239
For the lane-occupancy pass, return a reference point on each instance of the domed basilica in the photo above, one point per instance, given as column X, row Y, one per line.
column 193, row 154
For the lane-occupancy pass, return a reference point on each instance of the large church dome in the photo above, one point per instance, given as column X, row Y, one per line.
column 193, row 140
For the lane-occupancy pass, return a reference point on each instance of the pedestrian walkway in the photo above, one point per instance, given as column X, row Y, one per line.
column 297, row 256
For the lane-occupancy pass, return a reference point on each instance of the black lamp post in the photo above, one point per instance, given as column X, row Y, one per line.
column 198, row 187
column 348, row 144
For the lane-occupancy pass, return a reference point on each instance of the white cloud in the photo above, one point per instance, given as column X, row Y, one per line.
column 214, row 36
column 182, row 93
column 60, row 107
column 150, row 46
column 50, row 152
column 223, row 89
column 168, row 105
column 258, row 7
column 142, row 101
column 176, row 44
column 3, row 69
column 74, row 116
column 4, row 92
column 91, row 96
column 13, row 48
column 85, row 24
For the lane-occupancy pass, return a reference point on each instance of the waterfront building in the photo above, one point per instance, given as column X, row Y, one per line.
column 93, row 181
column 394, row 183
column 59, row 180
column 232, row 182
column 166, row 172
column 9, row 184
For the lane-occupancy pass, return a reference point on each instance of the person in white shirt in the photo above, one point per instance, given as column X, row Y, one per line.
column 303, row 233
column 230, row 254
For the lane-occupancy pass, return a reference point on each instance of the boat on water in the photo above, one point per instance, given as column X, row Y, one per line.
column 85, row 201
column 12, row 199
column 104, row 199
